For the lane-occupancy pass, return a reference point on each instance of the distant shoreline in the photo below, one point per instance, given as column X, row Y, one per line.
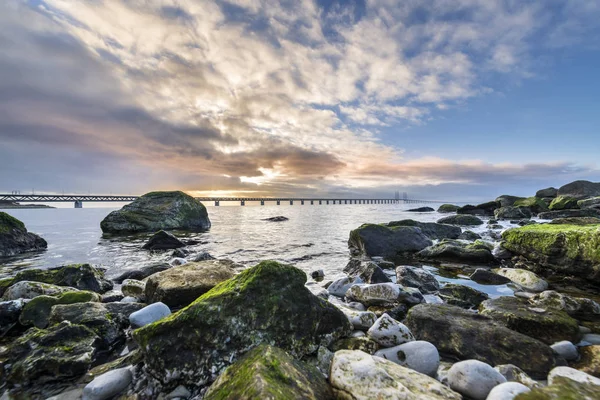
column 9, row 205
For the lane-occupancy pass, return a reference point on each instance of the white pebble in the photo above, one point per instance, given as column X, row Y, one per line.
column 474, row 378
column 507, row 391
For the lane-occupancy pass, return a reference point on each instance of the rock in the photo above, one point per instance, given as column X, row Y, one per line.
column 179, row 393
column 432, row 230
column 368, row 272
column 421, row 209
column 419, row 355
column 457, row 251
column 461, row 220
column 591, row 338
column 512, row 373
column 129, row 299
column 14, row 238
column 589, row 361
column 566, row 350
column 536, row 205
column 469, row 235
column 548, row 326
column 37, row 311
column 276, row 219
column 78, row 276
column 340, row 286
column 158, row 210
column 30, row 290
column 9, row 314
column 416, row 277
column 134, row 288
column 359, row 319
column 180, row 286
column 392, row 243
column 507, row 391
column 176, row 262
column 466, row 335
column 573, row 213
column 361, row 343
column 563, row 203
column 485, row 209
column 500, row 252
column 593, row 202
column 548, row 192
column 203, row 256
column 396, row 311
column 108, row 385
column 580, row 189
column 179, row 253
column 318, row 274
column 388, row 332
column 62, row 352
column 74, row 394
column 487, row 277
column 462, row 295
column 162, row 240
column 112, row 296
column 474, row 378
column 359, row 376
column 447, row 208
column 262, row 304
column 527, row 279
column 578, row 308
column 565, row 249
column 512, row 213
column 507, row 200
column 576, row 221
column 563, row 389
column 378, row 294
column 268, row 372
column 572, row 374
column 149, row 314
column 142, row 273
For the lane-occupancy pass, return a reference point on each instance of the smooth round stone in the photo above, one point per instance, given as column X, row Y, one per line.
column 527, row 279
column 357, row 334
column 573, row 374
column 340, row 286
column 591, row 338
column 566, row 350
column 108, row 384
column 149, row 314
column 474, row 378
column 507, row 391
column 179, row 392
column 419, row 355
column 388, row 332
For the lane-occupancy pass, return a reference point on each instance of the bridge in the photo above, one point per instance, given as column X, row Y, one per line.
column 79, row 199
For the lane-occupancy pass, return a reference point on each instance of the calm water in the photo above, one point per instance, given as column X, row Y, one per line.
column 315, row 237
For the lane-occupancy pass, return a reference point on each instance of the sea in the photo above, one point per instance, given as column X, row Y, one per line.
column 315, row 237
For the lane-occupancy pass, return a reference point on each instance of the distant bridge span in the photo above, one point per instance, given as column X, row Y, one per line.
column 79, row 199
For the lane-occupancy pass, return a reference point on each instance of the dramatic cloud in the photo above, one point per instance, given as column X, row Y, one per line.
column 259, row 96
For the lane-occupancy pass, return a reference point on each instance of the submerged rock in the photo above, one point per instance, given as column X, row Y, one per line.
column 158, row 210
column 462, row 295
column 279, row 218
column 421, row 209
column 14, row 238
column 457, row 251
column 432, row 230
column 162, row 240
column 461, row 220
column 392, row 243
column 447, row 208
column 263, row 304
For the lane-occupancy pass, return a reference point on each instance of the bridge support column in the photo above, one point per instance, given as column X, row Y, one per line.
column 242, row 203
column 278, row 202
column 301, row 202
column 262, row 202
column 291, row 202
column 78, row 204
column 312, row 202
column 327, row 201
column 217, row 203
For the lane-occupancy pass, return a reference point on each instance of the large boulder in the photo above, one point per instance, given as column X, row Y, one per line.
column 14, row 238
column 512, row 212
column 580, row 189
column 158, row 210
column 393, row 243
column 547, row 193
column 549, row 326
column 465, row 335
column 267, row 372
column 535, row 204
column 432, row 230
column 461, row 220
column 37, row 311
column 563, row 203
column 485, row 209
column 457, row 251
column 267, row 303
column 180, row 286
column 565, row 249
column 447, row 208
column 357, row 375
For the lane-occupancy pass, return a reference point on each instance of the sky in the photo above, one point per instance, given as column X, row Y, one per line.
column 457, row 100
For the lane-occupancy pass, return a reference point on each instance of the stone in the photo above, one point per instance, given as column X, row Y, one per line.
column 507, row 391
column 73, row 394
column 149, row 314
column 570, row 213
column 512, row 373
column 158, row 211
column 30, row 290
column 565, row 249
column 279, row 218
column 37, row 311
column 262, row 304
column 469, row 235
column 591, row 338
column 419, row 355
column 162, row 240
column 589, row 361
column 134, row 288
column 359, row 376
column 507, row 200
column 457, row 251
column 202, row 256
column 421, row 209
column 563, row 389
column 339, row 287
column 432, row 230
column 474, row 378
column 572, row 374
column 485, row 209
column 179, row 393
column 500, row 253
column 536, row 205
column 566, row 350
column 318, row 274
column 462, row 295
column 9, row 314
column 107, row 385
column 388, row 332
column 576, row 221
column 416, row 277
column 524, row 278
column 461, row 220
column 142, row 273
column 593, row 202
column 548, row 192
column 580, row 189
column 378, row 294
column 563, row 203
column 359, row 319
column 487, row 277
column 361, row 343
column 512, row 213
column 368, row 272
column 447, row 208
column 392, row 243
column 112, row 296
column 180, row 286
column 14, row 238
column 176, row 262
column 465, row 335
column 548, row 326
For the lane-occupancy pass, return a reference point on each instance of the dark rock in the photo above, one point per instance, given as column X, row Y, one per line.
column 158, row 210
column 368, row 272
column 486, row 209
column 392, row 243
column 463, row 220
column 469, row 235
column 535, row 204
column 487, row 277
column 318, row 274
column 563, row 203
column 512, row 212
column 112, row 296
column 142, row 273
column 580, row 189
column 416, row 277
column 277, row 219
column 576, row 221
column 579, row 308
column 456, row 251
column 593, row 202
column 421, row 209
column 462, row 295
column 507, row 200
column 432, row 230
column 179, row 253
column 162, row 240
column 465, row 335
column 268, row 303
column 448, row 208
column 204, row 256
column 549, row 192
column 9, row 315
column 586, row 212
column 14, row 238
column 37, row 311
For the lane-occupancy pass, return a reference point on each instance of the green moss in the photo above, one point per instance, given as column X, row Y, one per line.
column 563, row 203
column 82, row 296
column 8, row 223
column 536, row 204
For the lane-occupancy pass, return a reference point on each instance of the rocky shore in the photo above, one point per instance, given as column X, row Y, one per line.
column 200, row 328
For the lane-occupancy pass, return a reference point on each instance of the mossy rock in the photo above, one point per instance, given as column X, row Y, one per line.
column 14, row 238
column 267, row 372
column 461, row 220
column 563, row 203
column 457, row 251
column 394, row 243
column 507, row 200
column 576, row 221
column 8, row 223
column 37, row 311
column 362, row 343
column 485, row 209
column 565, row 249
column 447, row 208
column 535, row 204
column 267, row 303
column 462, row 295
column 589, row 360
column 432, row 230
column 563, row 389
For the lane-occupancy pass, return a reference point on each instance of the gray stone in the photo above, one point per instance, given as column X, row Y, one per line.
column 419, row 355
column 14, row 238
column 457, row 251
column 108, row 384
column 548, row 192
column 572, row 374
column 149, row 314
column 474, row 378
column 526, row 279
column 432, row 230
column 566, row 350
column 339, row 287
column 9, row 314
column 378, row 294
column 462, row 295
column 142, row 272
column 359, row 319
column 487, row 277
column 507, row 391
column 388, row 332
column 580, row 189
column 461, row 220
column 512, row 373
column 162, row 240
column 591, row 338
column 30, row 290
column 180, row 392
column 392, row 243
column 134, row 288
column 416, row 277
column 368, row 272
column 513, row 212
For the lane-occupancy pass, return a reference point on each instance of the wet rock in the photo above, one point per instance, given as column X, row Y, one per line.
column 589, row 361
column 548, row 326
column 466, row 335
column 527, row 279
column 378, row 294
column 432, row 230
column 416, row 277
column 512, row 213
column 580, row 189
column 566, row 350
column 563, row 203
column 134, row 288
column 500, row 253
column 14, row 238
column 179, row 286
column 30, row 290
column 179, row 393
column 487, row 277
column 419, row 355
column 579, row 308
column 536, row 205
column 318, row 274
column 447, row 208
column 158, row 210
column 276, row 219
column 388, row 332
column 142, row 273
column 474, row 378
column 507, row 391
column 461, row 220
column 162, row 240
column 361, row 343
column 591, row 338
column 149, row 314
column 203, row 256
column 368, row 272
column 586, row 212
column 457, row 251
column 462, row 295
column 507, row 200
column 108, row 385
column 340, row 286
column 469, row 235
column 392, row 243
column 512, row 373
column 398, row 312
column 562, row 389
column 548, row 192
column 360, row 376
column 485, row 209
column 120, row 312
column 261, row 304
column 37, row 311
column 9, row 315
column 593, row 202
